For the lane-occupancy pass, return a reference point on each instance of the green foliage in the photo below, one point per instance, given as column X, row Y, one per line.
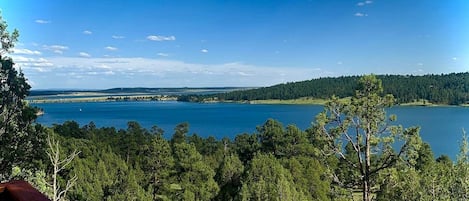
column 21, row 144
column 157, row 165
column 195, row 177
column 246, row 145
column 228, row 177
column 267, row 179
column 69, row 129
column 362, row 124
column 276, row 163
column 8, row 40
column 309, row 176
column 441, row 89
column 211, row 169
column 460, row 188
column 180, row 133
column 127, row 188
column 399, row 184
column 270, row 136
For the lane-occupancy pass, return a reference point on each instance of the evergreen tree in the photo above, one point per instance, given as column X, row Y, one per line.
column 21, row 144
column 460, row 188
column 362, row 122
column 228, row 177
column 246, row 145
column 127, row 188
column 194, row 176
column 180, row 133
column 157, row 166
column 267, row 179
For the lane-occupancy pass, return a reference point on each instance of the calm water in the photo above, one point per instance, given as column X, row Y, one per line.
column 440, row 126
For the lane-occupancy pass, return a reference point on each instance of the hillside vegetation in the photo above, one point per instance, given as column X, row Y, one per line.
column 451, row 89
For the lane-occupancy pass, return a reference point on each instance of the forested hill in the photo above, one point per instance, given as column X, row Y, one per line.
column 452, row 89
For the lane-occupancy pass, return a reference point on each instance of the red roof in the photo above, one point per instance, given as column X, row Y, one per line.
column 20, row 191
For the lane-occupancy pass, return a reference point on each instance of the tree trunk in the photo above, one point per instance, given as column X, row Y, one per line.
column 54, row 176
column 365, row 190
column 366, row 178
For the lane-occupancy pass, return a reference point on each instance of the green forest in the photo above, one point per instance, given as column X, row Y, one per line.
column 352, row 151
column 450, row 89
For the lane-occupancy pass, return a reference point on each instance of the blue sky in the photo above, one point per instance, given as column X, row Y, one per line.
column 93, row 44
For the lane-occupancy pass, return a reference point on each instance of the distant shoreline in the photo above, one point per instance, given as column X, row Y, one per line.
column 142, row 97
column 110, row 98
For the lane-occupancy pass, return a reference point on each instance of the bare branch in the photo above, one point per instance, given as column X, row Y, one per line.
column 59, row 164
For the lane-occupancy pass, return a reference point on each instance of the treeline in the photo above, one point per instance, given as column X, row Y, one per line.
column 274, row 163
column 452, row 89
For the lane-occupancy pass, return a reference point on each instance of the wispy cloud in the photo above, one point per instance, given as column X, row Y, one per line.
column 39, row 21
column 58, row 49
column 161, row 54
column 110, row 48
column 169, row 73
column 118, row 37
column 84, row 54
column 204, row 50
column 161, row 38
column 360, row 14
column 87, row 32
column 363, row 3
column 31, row 62
column 419, row 71
column 26, row 51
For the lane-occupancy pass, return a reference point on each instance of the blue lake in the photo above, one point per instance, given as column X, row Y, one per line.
column 440, row 126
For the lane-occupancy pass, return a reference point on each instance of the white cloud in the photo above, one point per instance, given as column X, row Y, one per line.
column 26, row 51
column 161, row 38
column 364, row 3
column 39, row 21
column 360, row 14
column 339, row 63
column 31, row 62
column 419, row 71
column 245, row 74
column 454, row 58
column 148, row 72
column 204, row 50
column 87, row 32
column 84, row 54
column 161, row 54
column 110, row 48
column 58, row 49
column 419, row 64
column 109, row 72
column 118, row 37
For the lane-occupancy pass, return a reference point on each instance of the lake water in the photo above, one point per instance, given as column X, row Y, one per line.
column 440, row 126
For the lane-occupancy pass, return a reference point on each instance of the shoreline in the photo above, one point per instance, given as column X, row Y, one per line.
column 300, row 101
column 113, row 98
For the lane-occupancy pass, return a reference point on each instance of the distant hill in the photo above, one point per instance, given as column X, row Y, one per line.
column 451, row 89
